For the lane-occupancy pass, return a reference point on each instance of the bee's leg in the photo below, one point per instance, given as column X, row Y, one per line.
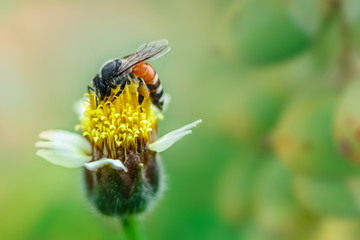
column 141, row 99
column 108, row 93
column 122, row 86
column 142, row 90
column 90, row 89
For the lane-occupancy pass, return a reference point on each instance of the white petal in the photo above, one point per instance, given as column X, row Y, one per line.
column 79, row 106
column 63, row 158
column 64, row 148
column 169, row 139
column 116, row 164
column 60, row 147
column 184, row 128
column 164, row 143
column 69, row 138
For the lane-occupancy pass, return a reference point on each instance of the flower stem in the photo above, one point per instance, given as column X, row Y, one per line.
column 132, row 228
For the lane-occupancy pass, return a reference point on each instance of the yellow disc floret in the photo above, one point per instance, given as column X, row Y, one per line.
column 118, row 124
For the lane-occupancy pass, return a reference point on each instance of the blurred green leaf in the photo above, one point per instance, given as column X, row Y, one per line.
column 347, row 122
column 351, row 10
column 308, row 14
column 338, row 228
column 236, row 186
column 327, row 197
column 266, row 33
column 251, row 112
column 278, row 213
column 303, row 138
column 74, row 222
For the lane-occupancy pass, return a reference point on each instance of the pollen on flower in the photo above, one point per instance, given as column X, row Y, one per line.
column 115, row 125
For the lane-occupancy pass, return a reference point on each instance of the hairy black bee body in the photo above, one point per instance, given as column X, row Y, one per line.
column 119, row 72
column 101, row 89
column 109, row 79
column 109, row 75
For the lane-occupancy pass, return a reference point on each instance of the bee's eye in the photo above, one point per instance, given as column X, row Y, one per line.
column 118, row 63
column 109, row 69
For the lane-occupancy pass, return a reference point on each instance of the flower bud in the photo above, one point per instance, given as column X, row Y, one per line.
column 118, row 193
column 123, row 176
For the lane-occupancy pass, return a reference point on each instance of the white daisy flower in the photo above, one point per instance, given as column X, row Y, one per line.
column 117, row 147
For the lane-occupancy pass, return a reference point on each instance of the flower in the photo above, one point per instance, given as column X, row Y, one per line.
column 118, row 149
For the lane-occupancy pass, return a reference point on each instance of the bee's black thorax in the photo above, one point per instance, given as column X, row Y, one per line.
column 108, row 79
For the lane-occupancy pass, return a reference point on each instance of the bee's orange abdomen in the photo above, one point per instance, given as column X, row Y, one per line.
column 145, row 71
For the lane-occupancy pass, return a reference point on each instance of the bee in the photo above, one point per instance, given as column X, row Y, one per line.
column 133, row 68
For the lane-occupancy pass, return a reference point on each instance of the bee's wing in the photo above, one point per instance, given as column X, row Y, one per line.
column 157, row 44
column 160, row 54
column 151, row 50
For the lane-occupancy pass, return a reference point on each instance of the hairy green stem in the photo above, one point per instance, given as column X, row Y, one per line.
column 132, row 228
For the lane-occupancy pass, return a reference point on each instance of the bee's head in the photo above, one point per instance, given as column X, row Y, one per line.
column 109, row 69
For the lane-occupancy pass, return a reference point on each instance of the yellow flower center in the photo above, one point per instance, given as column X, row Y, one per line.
column 119, row 125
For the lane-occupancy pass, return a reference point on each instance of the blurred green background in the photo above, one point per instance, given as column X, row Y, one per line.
column 276, row 83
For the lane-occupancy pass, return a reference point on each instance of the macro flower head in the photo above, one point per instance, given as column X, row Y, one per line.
column 118, row 148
